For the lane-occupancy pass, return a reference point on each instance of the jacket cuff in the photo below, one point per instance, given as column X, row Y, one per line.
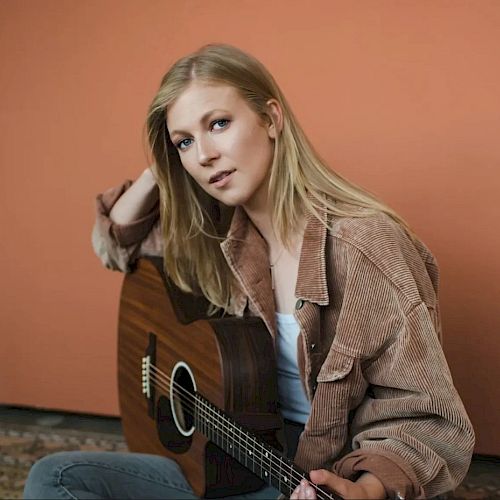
column 394, row 473
column 124, row 234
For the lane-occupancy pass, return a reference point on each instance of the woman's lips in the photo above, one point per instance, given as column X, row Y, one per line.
column 221, row 178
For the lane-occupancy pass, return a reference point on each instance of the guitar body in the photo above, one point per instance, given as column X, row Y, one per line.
column 229, row 361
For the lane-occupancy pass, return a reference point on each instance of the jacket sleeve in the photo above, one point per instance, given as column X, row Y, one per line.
column 410, row 429
column 118, row 246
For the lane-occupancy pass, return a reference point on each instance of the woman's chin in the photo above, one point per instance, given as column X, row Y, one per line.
column 230, row 199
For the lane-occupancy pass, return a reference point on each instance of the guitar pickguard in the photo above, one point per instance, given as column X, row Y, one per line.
column 168, row 433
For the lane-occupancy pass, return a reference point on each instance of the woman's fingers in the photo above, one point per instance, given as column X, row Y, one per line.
column 303, row 491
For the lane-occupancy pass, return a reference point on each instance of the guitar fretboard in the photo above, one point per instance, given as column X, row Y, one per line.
column 256, row 455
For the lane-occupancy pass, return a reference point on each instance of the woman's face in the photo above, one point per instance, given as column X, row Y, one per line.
column 222, row 143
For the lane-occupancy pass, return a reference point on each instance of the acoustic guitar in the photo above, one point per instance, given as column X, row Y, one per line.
column 200, row 391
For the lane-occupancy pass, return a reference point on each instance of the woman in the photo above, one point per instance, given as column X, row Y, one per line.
column 244, row 211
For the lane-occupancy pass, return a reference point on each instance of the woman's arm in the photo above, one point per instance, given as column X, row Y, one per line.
column 127, row 223
column 411, row 427
column 137, row 201
column 384, row 401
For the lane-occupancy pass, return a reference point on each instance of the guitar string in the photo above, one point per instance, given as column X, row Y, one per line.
column 293, row 473
column 270, row 461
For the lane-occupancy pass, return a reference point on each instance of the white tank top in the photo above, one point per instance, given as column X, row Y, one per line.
column 292, row 397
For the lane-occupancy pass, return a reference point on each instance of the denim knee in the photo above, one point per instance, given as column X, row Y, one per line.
column 42, row 476
column 106, row 474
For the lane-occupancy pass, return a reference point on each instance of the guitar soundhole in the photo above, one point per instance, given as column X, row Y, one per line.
column 182, row 398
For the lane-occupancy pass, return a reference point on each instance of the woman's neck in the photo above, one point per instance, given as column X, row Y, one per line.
column 258, row 210
column 262, row 220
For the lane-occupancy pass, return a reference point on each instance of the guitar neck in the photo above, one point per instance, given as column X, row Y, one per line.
column 256, row 455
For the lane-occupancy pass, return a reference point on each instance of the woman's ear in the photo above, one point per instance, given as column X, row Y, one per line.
column 275, row 125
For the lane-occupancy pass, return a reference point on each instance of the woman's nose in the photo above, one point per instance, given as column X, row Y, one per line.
column 207, row 151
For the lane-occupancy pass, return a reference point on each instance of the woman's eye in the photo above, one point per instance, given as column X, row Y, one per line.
column 219, row 121
column 182, row 143
column 179, row 144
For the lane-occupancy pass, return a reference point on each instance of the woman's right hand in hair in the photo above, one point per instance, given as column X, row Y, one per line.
column 137, row 201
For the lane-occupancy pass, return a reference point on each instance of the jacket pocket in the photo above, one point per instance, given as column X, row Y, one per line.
column 336, row 366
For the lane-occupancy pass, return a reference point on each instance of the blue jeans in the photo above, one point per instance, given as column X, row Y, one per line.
column 106, row 474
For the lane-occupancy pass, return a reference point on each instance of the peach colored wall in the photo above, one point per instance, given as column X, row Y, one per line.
column 399, row 96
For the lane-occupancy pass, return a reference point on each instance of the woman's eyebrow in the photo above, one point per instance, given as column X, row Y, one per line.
column 203, row 119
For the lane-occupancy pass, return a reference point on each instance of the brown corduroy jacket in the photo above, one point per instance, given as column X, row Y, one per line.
column 369, row 351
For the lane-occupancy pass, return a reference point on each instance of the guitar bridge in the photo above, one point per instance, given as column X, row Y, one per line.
column 146, row 378
column 148, row 387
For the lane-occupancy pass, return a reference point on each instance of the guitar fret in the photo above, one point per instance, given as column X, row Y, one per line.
column 279, row 474
column 294, row 475
column 258, row 466
column 221, row 444
column 286, row 477
column 239, row 447
column 265, row 455
column 268, row 465
column 203, row 426
column 290, row 480
column 216, row 429
column 246, row 453
column 253, row 455
column 195, row 416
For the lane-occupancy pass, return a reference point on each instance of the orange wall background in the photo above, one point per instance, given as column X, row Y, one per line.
column 399, row 96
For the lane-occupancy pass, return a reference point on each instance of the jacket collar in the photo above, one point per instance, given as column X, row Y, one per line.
column 246, row 253
column 311, row 280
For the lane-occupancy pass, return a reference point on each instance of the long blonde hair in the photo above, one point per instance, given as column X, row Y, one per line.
column 193, row 223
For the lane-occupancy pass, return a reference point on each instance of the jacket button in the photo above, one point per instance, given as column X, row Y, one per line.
column 299, row 304
column 313, row 346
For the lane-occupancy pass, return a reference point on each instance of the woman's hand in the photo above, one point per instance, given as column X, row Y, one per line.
column 367, row 486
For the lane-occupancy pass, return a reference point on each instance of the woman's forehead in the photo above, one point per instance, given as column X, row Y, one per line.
column 200, row 94
column 197, row 101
